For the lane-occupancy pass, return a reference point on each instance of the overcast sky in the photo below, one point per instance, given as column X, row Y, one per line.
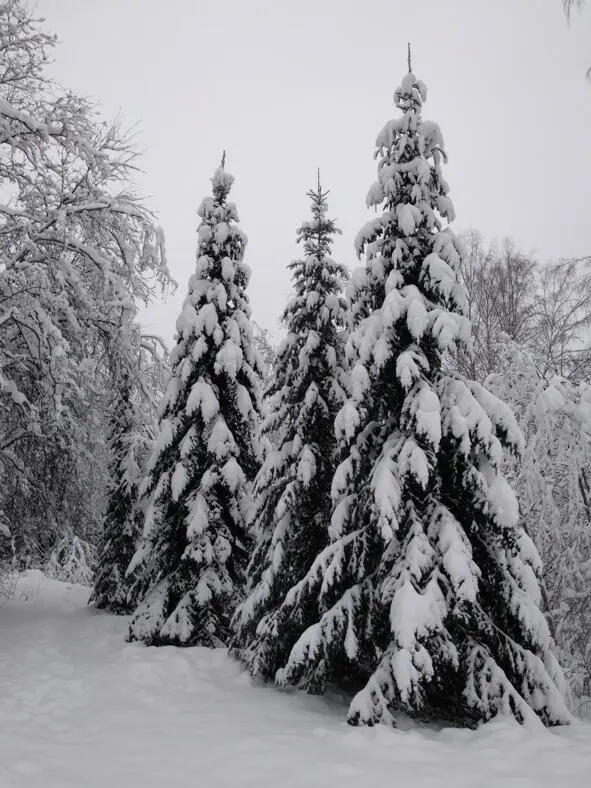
column 286, row 87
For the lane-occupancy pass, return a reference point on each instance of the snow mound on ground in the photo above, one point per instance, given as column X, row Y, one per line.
column 33, row 588
column 81, row 707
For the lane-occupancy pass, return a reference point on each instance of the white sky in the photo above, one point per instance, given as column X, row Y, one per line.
column 288, row 86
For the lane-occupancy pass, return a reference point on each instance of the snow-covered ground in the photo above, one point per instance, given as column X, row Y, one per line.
column 81, row 708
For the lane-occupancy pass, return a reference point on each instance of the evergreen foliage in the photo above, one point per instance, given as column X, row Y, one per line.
column 292, row 489
column 428, row 591
column 122, row 524
column 189, row 569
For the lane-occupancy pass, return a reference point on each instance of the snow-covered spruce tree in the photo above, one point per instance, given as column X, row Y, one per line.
column 292, row 489
column 189, row 568
column 429, row 589
column 123, row 519
column 136, row 369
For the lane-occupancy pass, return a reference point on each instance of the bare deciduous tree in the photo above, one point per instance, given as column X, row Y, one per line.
column 562, row 337
column 500, row 282
column 544, row 308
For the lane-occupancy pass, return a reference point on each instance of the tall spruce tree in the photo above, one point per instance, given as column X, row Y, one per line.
column 190, row 565
column 292, row 489
column 123, row 519
column 429, row 590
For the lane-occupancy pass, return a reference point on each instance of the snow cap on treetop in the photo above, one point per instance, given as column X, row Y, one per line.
column 222, row 181
column 411, row 94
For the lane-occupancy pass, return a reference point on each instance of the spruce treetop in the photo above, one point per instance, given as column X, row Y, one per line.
column 410, row 255
column 317, row 278
column 317, row 234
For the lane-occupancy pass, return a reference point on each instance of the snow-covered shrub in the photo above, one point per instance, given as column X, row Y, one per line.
column 72, row 560
column 6, row 558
